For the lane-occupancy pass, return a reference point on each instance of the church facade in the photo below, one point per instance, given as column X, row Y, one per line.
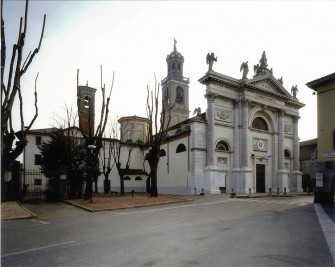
column 246, row 142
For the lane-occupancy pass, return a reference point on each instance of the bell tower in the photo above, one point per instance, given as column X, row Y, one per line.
column 175, row 87
column 86, row 108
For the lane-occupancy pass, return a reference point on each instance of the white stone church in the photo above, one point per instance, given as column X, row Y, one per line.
column 246, row 141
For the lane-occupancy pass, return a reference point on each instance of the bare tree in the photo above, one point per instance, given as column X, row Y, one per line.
column 9, row 150
column 157, row 131
column 107, row 166
column 116, row 148
column 94, row 137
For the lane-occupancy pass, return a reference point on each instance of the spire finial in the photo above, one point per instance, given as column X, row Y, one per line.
column 175, row 45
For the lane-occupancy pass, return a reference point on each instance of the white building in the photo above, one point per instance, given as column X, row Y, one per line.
column 246, row 141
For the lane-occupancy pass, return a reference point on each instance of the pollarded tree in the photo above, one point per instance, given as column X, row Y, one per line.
column 14, row 141
column 156, row 134
column 93, row 138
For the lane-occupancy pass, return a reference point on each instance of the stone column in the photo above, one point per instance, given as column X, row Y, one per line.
column 280, row 140
column 295, row 144
column 236, row 147
column 236, row 136
column 210, row 96
column 282, row 173
column 296, row 183
column 211, row 169
column 245, row 178
column 244, row 135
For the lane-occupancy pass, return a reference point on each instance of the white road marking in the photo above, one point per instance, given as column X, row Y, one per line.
column 41, row 222
column 34, row 249
column 168, row 208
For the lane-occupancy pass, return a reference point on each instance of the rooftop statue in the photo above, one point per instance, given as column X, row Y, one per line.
column 294, row 91
column 175, row 45
column 210, row 60
column 245, row 69
column 263, row 61
column 197, row 111
column 281, row 80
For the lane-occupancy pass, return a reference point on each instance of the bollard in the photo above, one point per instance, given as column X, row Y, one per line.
column 195, row 190
column 270, row 192
column 249, row 191
column 202, row 192
column 232, row 195
column 132, row 193
column 277, row 190
column 285, row 191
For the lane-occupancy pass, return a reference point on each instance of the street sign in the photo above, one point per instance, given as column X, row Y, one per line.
column 319, row 179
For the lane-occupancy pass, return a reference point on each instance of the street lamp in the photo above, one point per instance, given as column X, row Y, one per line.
column 90, row 174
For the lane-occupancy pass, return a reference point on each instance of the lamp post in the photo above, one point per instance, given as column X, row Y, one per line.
column 88, row 190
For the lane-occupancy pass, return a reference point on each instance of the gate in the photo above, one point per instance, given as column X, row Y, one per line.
column 34, row 187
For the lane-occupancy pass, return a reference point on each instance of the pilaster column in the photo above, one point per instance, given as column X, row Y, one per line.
column 280, row 140
column 295, row 144
column 210, row 96
column 236, row 138
column 244, row 135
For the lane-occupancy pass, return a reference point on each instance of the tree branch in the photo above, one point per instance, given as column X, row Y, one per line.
column 36, row 108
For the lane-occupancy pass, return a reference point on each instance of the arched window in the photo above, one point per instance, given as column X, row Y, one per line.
column 222, row 146
column 287, row 154
column 180, row 95
column 173, row 66
column 127, row 178
column 163, row 153
column 87, row 101
column 260, row 124
column 138, row 178
column 181, row 148
column 178, row 66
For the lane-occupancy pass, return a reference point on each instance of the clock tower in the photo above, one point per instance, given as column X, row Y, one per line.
column 175, row 92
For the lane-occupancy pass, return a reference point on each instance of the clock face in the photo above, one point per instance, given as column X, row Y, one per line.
column 180, row 95
column 260, row 144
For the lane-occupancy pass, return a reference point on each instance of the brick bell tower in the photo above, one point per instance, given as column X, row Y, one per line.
column 175, row 89
column 86, row 108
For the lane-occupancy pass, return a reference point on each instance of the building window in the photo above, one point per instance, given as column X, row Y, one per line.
column 127, row 178
column 222, row 146
column 163, row 153
column 87, row 101
column 38, row 182
column 38, row 159
column 138, row 178
column 287, row 154
column 260, row 124
column 181, row 148
column 38, row 140
column 173, row 66
column 180, row 95
column 178, row 66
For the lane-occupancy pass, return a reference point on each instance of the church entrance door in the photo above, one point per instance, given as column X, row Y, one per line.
column 260, row 178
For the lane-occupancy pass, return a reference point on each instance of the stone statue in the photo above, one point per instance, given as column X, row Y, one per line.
column 294, row 91
column 210, row 60
column 263, row 61
column 245, row 69
column 257, row 70
column 281, row 80
column 197, row 111
column 175, row 45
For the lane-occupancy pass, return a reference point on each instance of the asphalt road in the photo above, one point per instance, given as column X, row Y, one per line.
column 213, row 231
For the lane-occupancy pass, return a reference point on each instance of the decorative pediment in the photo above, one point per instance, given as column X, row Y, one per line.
column 268, row 84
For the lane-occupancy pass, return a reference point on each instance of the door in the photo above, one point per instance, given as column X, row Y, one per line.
column 260, row 178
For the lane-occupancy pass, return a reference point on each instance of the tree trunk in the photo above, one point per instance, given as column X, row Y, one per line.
column 154, row 190
column 121, row 185
column 107, row 186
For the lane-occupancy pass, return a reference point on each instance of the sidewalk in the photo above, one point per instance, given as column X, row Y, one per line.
column 12, row 210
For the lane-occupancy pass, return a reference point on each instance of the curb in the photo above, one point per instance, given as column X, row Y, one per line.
column 129, row 207
column 32, row 215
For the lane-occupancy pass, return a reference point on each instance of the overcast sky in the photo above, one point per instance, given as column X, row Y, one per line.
column 133, row 39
